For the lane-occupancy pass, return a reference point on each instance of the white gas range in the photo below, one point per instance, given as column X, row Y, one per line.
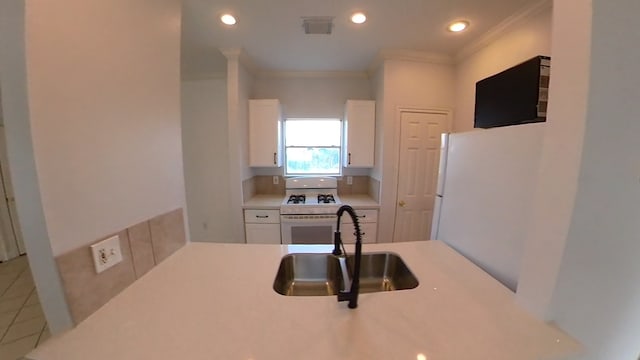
column 308, row 212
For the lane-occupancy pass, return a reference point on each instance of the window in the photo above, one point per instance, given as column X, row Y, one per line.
column 312, row 146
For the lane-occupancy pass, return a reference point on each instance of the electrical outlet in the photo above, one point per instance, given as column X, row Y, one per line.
column 106, row 253
column 276, row 180
column 349, row 180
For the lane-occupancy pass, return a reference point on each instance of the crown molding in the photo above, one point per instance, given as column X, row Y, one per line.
column 240, row 55
column 233, row 54
column 518, row 18
column 408, row 55
column 313, row 74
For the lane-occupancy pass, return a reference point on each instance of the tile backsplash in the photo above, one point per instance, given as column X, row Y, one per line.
column 248, row 188
column 374, row 189
column 143, row 246
column 167, row 234
column 359, row 186
column 265, row 185
column 261, row 185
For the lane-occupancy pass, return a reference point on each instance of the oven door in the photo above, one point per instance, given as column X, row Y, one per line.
column 308, row 229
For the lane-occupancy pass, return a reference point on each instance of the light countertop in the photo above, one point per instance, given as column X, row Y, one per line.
column 264, row 201
column 215, row 301
column 272, row 201
column 360, row 201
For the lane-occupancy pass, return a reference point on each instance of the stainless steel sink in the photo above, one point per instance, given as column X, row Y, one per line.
column 308, row 275
column 383, row 271
column 321, row 274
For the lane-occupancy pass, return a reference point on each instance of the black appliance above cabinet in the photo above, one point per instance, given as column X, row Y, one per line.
column 515, row 96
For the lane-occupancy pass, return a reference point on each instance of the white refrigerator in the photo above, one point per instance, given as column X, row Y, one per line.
column 486, row 187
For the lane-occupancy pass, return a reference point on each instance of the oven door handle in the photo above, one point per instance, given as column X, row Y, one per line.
column 300, row 219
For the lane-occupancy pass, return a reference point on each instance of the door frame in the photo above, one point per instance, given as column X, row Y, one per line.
column 448, row 113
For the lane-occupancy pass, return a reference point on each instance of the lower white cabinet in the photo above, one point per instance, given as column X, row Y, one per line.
column 368, row 220
column 262, row 226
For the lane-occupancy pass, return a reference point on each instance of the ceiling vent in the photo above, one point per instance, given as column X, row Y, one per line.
column 317, row 24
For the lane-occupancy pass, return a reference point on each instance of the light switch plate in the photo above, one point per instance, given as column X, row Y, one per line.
column 106, row 253
column 276, row 180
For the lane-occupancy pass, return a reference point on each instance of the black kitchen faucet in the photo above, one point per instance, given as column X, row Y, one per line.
column 352, row 294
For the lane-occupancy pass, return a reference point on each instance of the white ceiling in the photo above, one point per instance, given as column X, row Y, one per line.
column 271, row 33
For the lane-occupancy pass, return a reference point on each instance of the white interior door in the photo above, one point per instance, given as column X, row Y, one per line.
column 418, row 172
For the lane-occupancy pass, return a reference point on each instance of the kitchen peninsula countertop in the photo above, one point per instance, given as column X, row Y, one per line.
column 215, row 301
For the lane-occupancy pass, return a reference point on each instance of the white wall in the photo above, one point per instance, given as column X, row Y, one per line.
column 582, row 269
column 561, row 156
column 597, row 295
column 102, row 113
column 245, row 92
column 206, row 158
column 239, row 85
column 105, row 119
column 312, row 96
column 378, row 88
column 412, row 85
column 15, row 97
column 527, row 39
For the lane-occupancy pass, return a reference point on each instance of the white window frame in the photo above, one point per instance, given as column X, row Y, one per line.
column 340, row 147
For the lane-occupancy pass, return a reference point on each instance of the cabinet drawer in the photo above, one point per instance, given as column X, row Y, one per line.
column 252, row 216
column 364, row 216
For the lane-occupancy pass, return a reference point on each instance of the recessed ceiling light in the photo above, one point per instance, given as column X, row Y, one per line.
column 458, row 26
column 228, row 19
column 358, row 18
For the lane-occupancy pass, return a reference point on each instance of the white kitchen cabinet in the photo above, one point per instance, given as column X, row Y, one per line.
column 265, row 133
column 368, row 220
column 359, row 133
column 262, row 226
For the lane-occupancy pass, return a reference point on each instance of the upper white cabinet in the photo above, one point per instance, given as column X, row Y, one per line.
column 359, row 133
column 265, row 133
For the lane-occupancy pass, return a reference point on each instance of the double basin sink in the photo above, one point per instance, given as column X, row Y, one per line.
column 326, row 274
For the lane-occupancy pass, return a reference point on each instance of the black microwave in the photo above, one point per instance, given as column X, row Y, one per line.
column 514, row 96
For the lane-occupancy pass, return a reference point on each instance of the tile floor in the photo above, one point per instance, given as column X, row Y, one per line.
column 22, row 323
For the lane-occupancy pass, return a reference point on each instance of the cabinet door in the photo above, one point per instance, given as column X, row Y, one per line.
column 262, row 233
column 265, row 133
column 359, row 133
column 369, row 230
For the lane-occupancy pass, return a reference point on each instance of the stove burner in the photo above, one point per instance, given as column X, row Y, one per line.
column 296, row 199
column 326, row 199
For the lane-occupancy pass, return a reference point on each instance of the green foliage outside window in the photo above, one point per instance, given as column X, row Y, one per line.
column 312, row 146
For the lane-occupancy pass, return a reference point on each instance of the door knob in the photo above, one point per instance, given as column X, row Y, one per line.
column 402, row 203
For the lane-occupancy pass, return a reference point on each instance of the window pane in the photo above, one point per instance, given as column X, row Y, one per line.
column 316, row 132
column 313, row 160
